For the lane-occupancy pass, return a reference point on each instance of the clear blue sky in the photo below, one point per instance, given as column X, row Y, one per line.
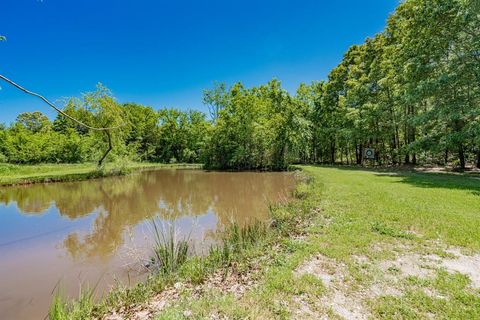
column 164, row 53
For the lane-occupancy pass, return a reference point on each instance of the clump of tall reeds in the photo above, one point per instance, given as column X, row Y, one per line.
column 169, row 262
column 169, row 251
column 236, row 239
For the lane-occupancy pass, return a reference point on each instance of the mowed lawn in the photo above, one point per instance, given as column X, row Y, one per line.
column 371, row 206
column 379, row 244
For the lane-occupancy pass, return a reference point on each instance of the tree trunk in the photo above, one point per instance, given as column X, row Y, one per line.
column 413, row 134
column 357, row 154
column 107, row 133
column 478, row 159
column 406, row 134
column 360, row 154
column 461, row 156
column 332, row 152
column 393, row 150
column 384, row 152
column 348, row 155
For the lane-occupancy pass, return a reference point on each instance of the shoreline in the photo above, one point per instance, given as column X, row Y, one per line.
column 347, row 245
column 238, row 247
column 342, row 245
column 17, row 175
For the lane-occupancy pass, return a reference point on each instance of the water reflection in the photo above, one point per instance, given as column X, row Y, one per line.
column 77, row 232
column 123, row 202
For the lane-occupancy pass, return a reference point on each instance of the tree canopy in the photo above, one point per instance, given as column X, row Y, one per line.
column 411, row 92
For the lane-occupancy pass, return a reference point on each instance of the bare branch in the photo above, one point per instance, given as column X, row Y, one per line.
column 109, row 138
column 56, row 108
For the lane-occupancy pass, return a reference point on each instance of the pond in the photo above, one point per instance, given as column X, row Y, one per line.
column 67, row 235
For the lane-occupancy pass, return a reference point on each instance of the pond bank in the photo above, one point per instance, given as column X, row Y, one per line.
column 29, row 174
column 354, row 244
column 98, row 233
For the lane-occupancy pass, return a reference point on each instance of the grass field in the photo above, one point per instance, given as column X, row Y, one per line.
column 25, row 174
column 380, row 245
column 355, row 244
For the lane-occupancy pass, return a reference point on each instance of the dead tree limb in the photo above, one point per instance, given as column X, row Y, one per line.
column 106, row 130
column 109, row 138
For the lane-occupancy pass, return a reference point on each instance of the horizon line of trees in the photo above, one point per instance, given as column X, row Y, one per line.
column 412, row 92
column 141, row 134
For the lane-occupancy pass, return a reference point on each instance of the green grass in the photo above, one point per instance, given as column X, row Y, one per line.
column 340, row 213
column 457, row 301
column 82, row 308
column 25, row 174
column 354, row 211
column 369, row 206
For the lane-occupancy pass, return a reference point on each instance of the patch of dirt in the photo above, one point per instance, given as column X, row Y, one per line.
column 325, row 269
column 303, row 310
column 468, row 265
column 230, row 283
column 407, row 265
column 338, row 298
column 149, row 309
column 234, row 283
column 424, row 266
column 348, row 302
column 468, row 170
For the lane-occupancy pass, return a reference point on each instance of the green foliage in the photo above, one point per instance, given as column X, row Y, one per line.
column 256, row 128
column 180, row 135
column 33, row 121
column 216, row 99
column 411, row 92
column 143, row 131
column 140, row 134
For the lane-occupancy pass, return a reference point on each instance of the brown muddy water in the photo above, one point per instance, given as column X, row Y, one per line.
column 68, row 235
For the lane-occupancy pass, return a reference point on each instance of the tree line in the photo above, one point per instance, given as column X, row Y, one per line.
column 411, row 92
column 141, row 133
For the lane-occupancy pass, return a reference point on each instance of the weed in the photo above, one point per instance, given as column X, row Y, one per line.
column 386, row 230
column 170, row 253
column 79, row 309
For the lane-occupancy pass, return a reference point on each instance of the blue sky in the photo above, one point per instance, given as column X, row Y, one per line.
column 164, row 53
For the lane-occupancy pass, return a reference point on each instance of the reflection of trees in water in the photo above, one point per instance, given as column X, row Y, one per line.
column 124, row 202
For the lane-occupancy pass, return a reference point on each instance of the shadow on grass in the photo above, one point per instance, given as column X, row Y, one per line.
column 452, row 181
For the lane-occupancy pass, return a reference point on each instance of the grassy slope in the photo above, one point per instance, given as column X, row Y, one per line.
column 25, row 174
column 356, row 212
